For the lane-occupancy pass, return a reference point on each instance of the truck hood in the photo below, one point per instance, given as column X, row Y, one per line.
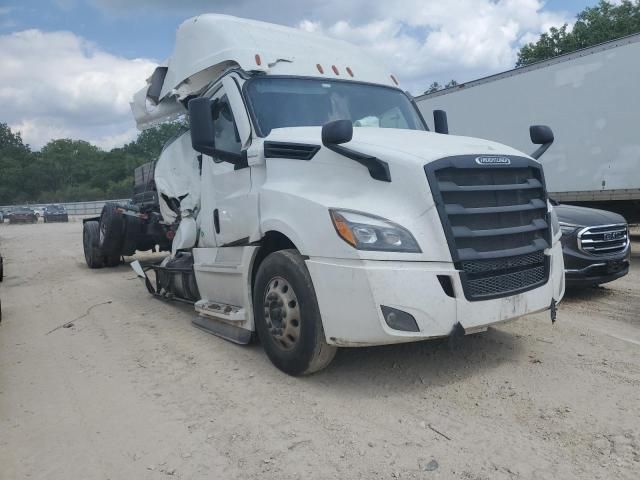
column 413, row 145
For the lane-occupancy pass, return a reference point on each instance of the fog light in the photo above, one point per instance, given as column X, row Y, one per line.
column 399, row 320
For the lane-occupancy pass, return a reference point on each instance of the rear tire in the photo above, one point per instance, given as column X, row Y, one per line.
column 111, row 235
column 287, row 316
column 92, row 253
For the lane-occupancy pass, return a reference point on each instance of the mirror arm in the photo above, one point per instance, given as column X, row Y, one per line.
column 541, row 149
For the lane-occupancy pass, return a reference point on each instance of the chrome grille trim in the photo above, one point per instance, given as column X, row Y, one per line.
column 604, row 239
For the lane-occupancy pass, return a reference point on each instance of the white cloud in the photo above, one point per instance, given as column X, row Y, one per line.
column 58, row 85
column 425, row 40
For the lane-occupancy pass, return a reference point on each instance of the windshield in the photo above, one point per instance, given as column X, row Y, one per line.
column 303, row 102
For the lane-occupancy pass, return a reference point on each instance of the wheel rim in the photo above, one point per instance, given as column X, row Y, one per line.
column 282, row 313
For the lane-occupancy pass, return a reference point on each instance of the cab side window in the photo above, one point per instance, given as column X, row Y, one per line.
column 226, row 133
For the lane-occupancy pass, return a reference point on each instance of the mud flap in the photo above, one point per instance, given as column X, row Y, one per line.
column 553, row 310
column 456, row 335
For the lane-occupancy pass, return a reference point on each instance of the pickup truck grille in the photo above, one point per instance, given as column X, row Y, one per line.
column 604, row 239
column 496, row 223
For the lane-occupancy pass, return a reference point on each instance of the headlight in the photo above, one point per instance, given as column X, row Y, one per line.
column 568, row 228
column 368, row 232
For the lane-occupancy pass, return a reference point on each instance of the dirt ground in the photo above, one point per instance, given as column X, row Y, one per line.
column 133, row 391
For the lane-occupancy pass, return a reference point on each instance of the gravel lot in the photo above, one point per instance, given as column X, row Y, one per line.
column 132, row 391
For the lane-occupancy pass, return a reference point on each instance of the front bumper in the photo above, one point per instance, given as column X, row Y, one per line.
column 23, row 219
column 583, row 269
column 56, row 218
column 350, row 294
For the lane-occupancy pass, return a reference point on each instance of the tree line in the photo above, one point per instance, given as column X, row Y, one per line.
column 602, row 23
column 67, row 170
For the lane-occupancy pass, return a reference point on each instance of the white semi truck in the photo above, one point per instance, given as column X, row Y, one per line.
column 312, row 206
column 591, row 100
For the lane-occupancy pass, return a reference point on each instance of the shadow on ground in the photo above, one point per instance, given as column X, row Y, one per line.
column 397, row 369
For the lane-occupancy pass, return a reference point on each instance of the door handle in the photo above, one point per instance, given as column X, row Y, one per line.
column 216, row 220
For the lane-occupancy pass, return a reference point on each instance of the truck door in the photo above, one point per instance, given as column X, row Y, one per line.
column 233, row 209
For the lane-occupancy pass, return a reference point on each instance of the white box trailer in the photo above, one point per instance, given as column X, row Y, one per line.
column 590, row 99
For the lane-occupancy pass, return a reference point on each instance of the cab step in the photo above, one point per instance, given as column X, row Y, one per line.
column 222, row 320
column 222, row 311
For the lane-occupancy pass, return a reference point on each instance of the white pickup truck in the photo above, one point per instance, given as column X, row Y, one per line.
column 315, row 208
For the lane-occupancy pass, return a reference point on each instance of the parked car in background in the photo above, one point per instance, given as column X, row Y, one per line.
column 55, row 213
column 4, row 213
column 39, row 211
column 595, row 244
column 23, row 215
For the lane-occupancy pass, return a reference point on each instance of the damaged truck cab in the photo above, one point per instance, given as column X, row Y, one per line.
column 315, row 208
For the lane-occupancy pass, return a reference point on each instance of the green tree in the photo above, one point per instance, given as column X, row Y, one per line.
column 435, row 86
column 594, row 25
column 150, row 142
column 66, row 170
column 15, row 159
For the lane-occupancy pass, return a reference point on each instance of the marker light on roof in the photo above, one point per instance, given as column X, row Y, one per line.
column 349, row 71
column 258, row 60
column 335, row 69
column 319, row 67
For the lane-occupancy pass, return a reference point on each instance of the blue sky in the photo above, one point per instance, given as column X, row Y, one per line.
column 92, row 54
column 121, row 30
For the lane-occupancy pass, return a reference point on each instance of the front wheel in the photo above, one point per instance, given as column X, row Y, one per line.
column 287, row 316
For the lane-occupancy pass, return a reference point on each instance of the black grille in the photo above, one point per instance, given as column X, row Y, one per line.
column 495, row 220
column 502, row 264
column 293, row 151
column 506, row 283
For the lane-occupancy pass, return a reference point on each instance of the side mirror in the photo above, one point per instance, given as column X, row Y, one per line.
column 540, row 135
column 441, row 125
column 201, row 125
column 337, row 132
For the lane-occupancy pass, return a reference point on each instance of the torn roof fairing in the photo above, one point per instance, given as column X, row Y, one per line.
column 208, row 45
column 147, row 115
column 211, row 39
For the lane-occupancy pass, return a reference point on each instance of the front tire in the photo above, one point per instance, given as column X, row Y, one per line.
column 287, row 316
column 90, row 237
